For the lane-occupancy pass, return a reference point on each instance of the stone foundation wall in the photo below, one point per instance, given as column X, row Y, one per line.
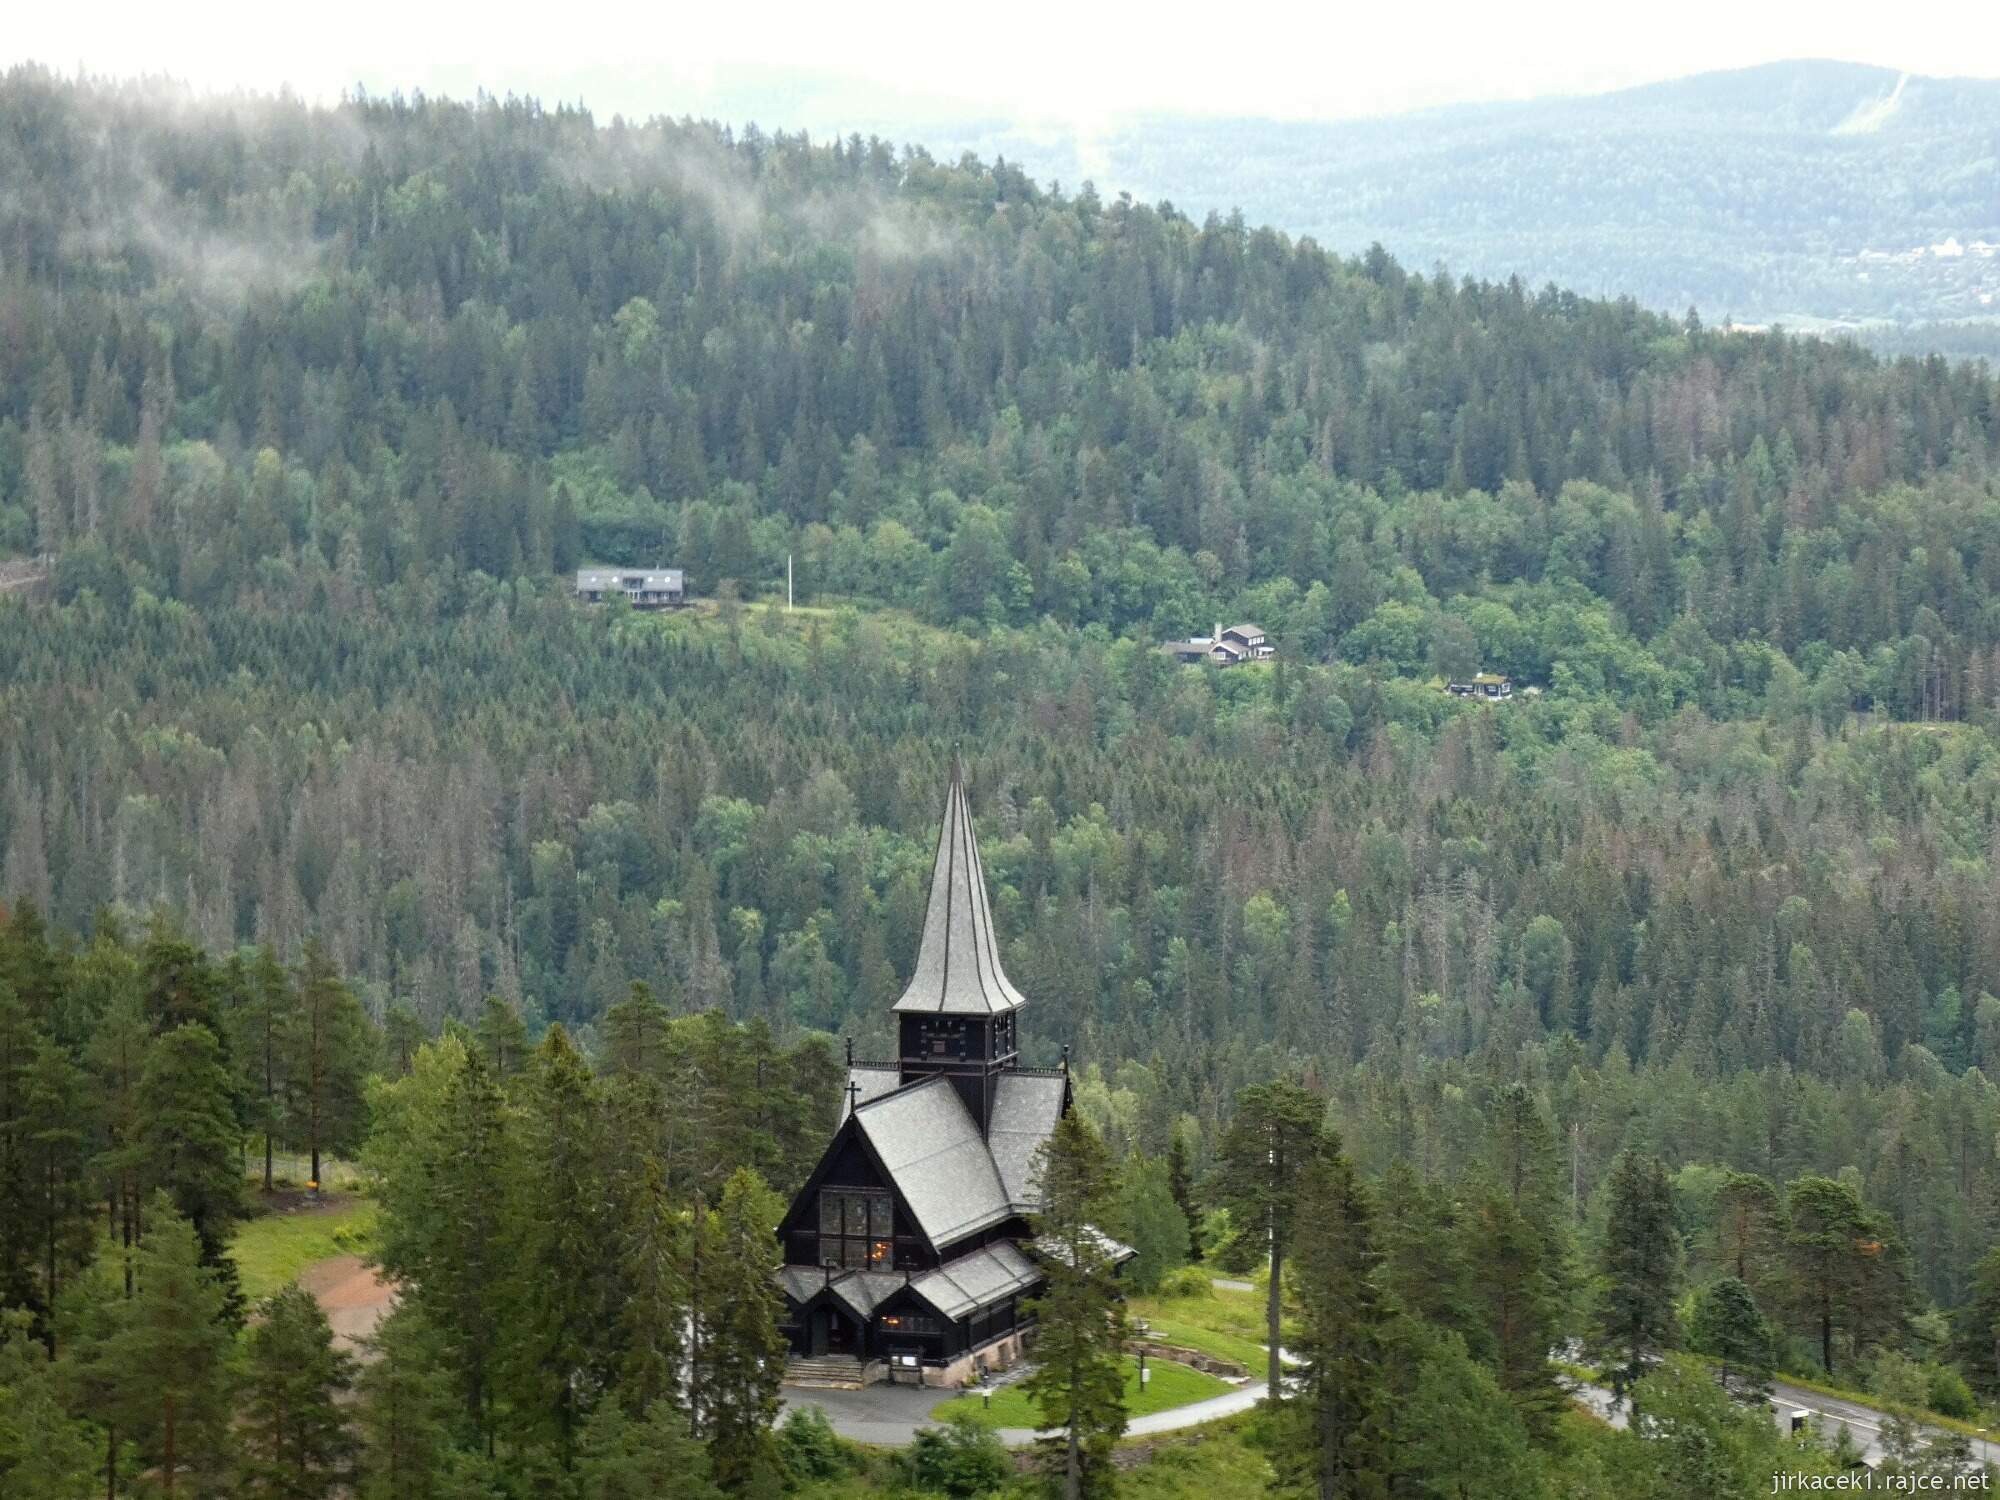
column 1212, row 1364
column 1002, row 1354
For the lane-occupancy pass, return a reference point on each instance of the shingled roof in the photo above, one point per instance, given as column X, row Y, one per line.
column 930, row 1145
column 958, row 962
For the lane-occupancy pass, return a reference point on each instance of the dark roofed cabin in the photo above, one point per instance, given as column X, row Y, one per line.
column 905, row 1252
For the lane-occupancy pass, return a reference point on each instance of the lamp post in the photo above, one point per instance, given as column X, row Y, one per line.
column 1141, row 1327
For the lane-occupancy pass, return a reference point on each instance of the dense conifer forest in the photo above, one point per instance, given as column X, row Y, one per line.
column 305, row 414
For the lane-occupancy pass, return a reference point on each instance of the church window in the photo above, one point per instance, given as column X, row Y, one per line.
column 856, row 1228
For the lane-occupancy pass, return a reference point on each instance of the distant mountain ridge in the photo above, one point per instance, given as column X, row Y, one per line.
column 1814, row 193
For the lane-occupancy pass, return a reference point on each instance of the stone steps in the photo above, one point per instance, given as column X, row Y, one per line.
column 827, row 1372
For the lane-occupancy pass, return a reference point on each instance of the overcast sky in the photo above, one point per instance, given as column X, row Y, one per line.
column 1027, row 60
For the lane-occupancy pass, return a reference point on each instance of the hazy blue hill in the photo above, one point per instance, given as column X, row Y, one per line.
column 1799, row 191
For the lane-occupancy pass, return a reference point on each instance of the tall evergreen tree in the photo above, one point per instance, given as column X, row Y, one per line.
column 1844, row 1266
column 1520, row 1304
column 328, row 1046
column 1728, row 1327
column 293, row 1439
column 404, row 1409
column 739, row 1357
column 653, row 1297
column 1276, row 1132
column 188, row 1139
column 170, row 1358
column 564, row 1257
column 1638, row 1271
column 1078, row 1382
column 1336, row 1443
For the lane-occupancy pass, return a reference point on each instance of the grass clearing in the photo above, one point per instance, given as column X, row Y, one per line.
column 1171, row 1385
column 1172, row 1323
column 1226, row 1323
column 272, row 1249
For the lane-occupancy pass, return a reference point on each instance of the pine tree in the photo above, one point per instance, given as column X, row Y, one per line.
column 262, row 1022
column 1335, row 1442
column 1078, row 1382
column 1845, row 1267
column 54, row 1120
column 1277, row 1131
column 169, row 1359
column 328, row 1045
column 294, row 1442
column 739, row 1358
column 1748, row 1232
column 1639, row 1270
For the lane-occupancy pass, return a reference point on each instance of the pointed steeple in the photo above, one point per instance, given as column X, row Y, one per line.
column 958, row 969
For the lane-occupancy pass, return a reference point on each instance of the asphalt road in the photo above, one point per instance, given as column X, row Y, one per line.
column 888, row 1416
column 1863, row 1423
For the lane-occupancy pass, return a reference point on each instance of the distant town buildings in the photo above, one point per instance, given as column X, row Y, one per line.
column 1489, row 685
column 647, row 588
column 1226, row 648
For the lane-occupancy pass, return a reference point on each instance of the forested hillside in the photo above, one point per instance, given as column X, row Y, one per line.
column 310, row 409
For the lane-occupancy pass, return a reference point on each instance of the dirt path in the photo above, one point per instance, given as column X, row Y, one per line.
column 353, row 1296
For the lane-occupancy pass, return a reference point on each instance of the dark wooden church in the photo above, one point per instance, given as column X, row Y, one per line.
column 907, row 1250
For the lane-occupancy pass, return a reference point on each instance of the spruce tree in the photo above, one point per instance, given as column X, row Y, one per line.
column 652, row 1296
column 1638, row 1271
column 44, row 1451
column 1335, row 1438
column 739, row 1359
column 1520, row 1305
column 170, row 1359
column 1180, row 1182
column 1276, row 1132
column 1078, row 1381
column 404, row 1410
column 1728, row 1327
column 188, row 1139
column 564, row 1253
column 651, row 1457
column 293, row 1437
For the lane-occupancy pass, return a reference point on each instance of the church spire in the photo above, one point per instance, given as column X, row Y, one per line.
column 958, row 969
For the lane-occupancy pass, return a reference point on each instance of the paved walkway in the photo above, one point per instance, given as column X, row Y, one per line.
column 888, row 1416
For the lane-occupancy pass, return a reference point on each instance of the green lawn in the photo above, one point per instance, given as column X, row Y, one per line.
column 271, row 1250
column 1171, row 1385
column 1228, row 1324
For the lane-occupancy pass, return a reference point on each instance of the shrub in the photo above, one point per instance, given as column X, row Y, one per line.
column 809, row 1447
column 1188, row 1281
column 961, row 1457
column 1948, row 1395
